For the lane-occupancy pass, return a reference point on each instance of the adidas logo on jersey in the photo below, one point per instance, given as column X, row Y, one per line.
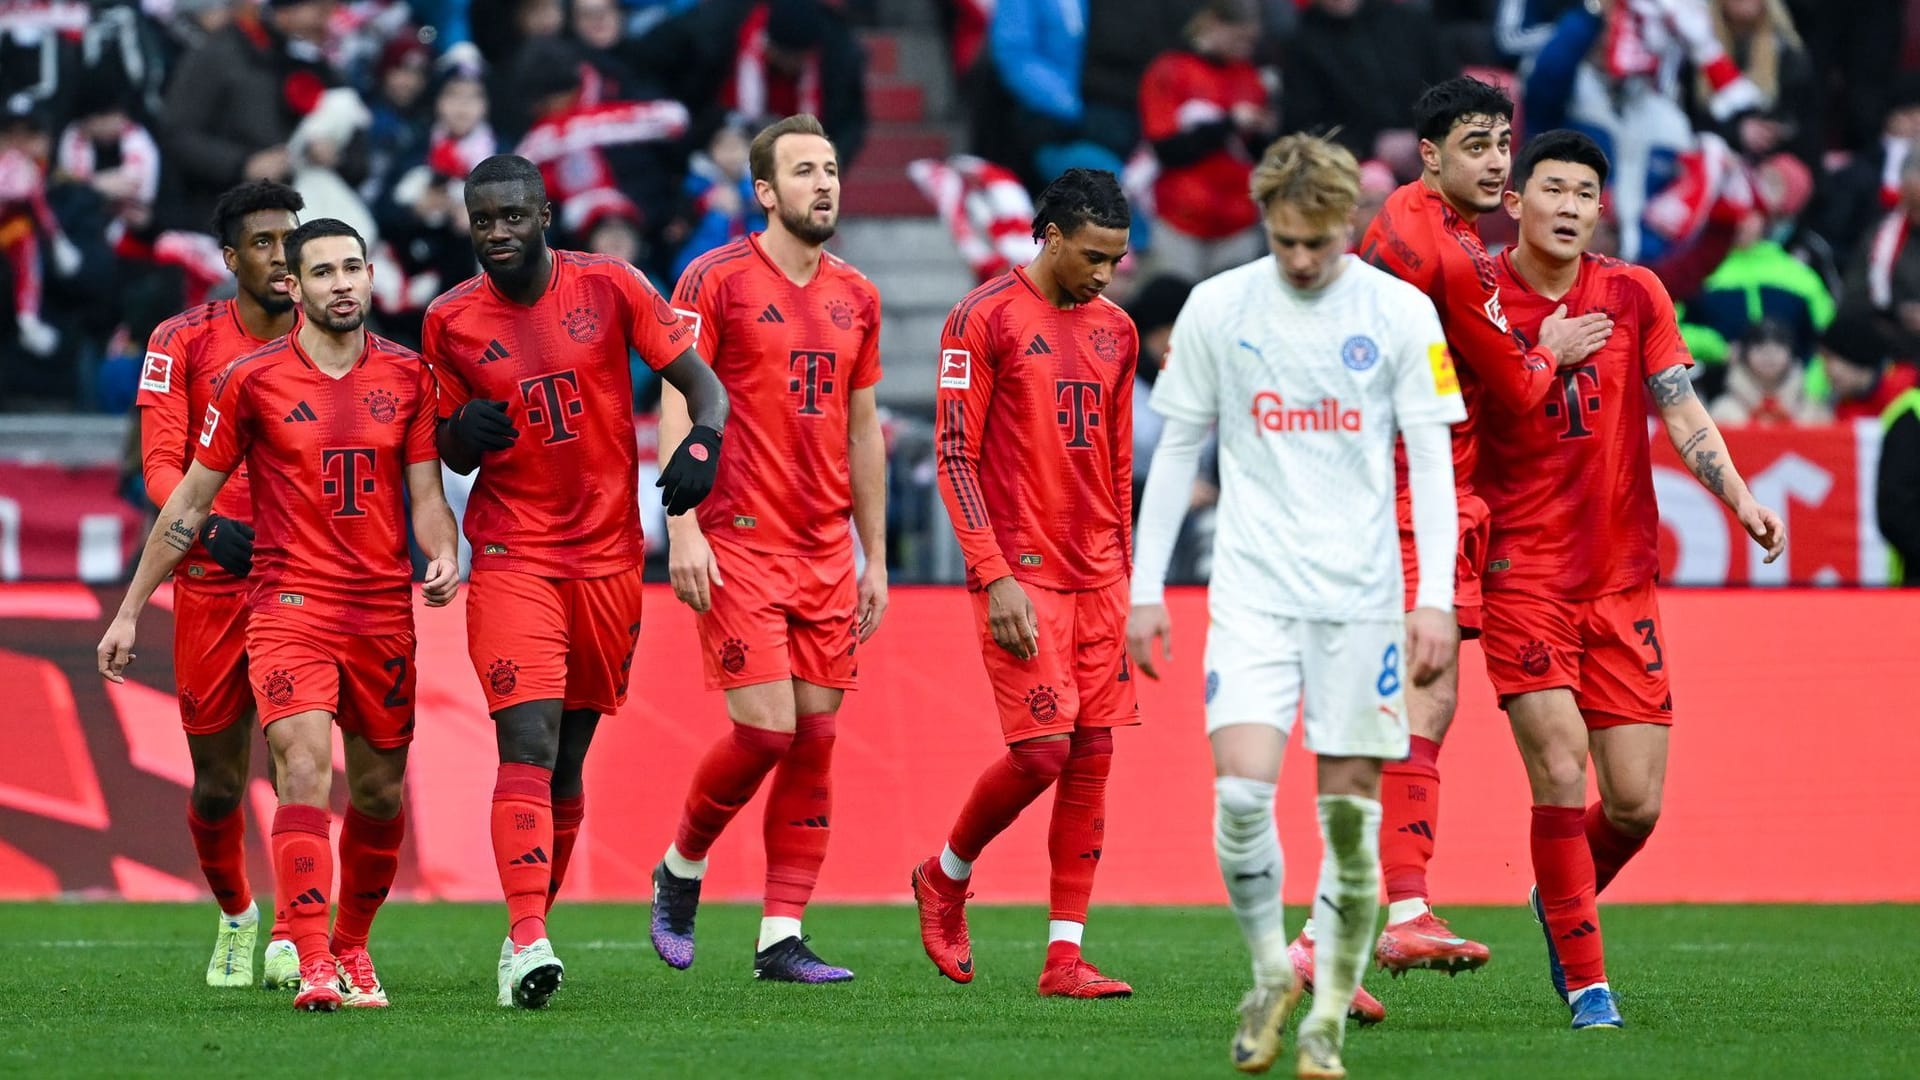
column 495, row 351
column 301, row 414
column 772, row 314
column 1272, row 414
column 1038, row 347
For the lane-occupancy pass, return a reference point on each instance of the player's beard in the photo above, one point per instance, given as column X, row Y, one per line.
column 338, row 324
column 800, row 223
column 273, row 303
column 520, row 274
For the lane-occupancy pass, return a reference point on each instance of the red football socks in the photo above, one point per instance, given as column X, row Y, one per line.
column 795, row 827
column 1004, row 790
column 1079, row 824
column 725, row 781
column 369, row 858
column 1611, row 848
column 523, row 846
column 222, row 848
column 1563, row 871
column 1410, row 814
column 568, row 813
column 303, row 876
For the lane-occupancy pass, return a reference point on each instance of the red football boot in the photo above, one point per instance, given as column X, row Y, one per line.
column 943, row 921
column 1426, row 941
column 1366, row 1009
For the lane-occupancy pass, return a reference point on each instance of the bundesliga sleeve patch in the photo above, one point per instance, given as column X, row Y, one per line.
column 207, row 429
column 956, row 369
column 157, row 375
column 1440, row 361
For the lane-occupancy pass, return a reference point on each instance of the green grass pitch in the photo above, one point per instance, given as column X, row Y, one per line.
column 1760, row 991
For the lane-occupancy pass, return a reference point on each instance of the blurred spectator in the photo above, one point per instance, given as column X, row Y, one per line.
column 1123, row 39
column 1025, row 103
column 1853, row 375
column 1759, row 37
column 1357, row 65
column 719, row 202
column 1857, row 195
column 28, row 227
column 104, row 148
column 1766, row 384
column 319, row 151
column 1759, row 279
column 1897, row 487
column 1376, row 183
column 502, row 31
column 235, row 100
column 1521, row 28
column 1153, row 308
column 601, row 29
column 401, row 107
column 764, row 59
column 1205, row 110
column 425, row 249
column 597, row 158
column 1884, row 277
column 1855, row 45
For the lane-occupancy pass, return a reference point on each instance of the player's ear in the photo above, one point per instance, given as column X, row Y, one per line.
column 1511, row 198
column 763, row 194
column 546, row 216
column 231, row 258
column 1429, row 155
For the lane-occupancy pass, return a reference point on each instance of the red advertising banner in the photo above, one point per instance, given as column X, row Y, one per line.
column 1792, row 740
column 59, row 523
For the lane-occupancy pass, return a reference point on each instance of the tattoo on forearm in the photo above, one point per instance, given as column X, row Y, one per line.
column 1711, row 471
column 1693, row 440
column 1671, row 386
column 178, row 536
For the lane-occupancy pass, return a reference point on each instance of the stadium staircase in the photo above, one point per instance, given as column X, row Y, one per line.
column 889, row 230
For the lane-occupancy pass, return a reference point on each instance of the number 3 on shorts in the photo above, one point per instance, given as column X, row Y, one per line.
column 1389, row 681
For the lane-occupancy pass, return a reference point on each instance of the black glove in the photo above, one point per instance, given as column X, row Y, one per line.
column 229, row 543
column 483, row 425
column 688, row 477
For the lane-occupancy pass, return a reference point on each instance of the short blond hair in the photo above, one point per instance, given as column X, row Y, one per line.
column 1318, row 176
column 760, row 150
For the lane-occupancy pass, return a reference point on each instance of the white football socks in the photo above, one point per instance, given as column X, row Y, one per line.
column 1401, row 910
column 775, row 928
column 953, row 865
column 1346, row 905
column 1254, row 869
column 682, row 867
column 1065, row 930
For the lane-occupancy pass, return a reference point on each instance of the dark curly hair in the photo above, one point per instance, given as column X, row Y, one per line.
column 1081, row 197
column 251, row 198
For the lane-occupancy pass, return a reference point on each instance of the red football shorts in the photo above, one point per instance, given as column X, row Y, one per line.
column 1470, row 561
column 210, row 657
column 535, row 638
column 1080, row 678
column 1606, row 650
column 365, row 680
column 779, row 617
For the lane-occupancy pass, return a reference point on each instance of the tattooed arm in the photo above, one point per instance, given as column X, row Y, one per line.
column 1703, row 449
column 173, row 534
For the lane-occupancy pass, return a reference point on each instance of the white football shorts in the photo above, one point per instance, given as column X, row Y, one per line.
column 1258, row 665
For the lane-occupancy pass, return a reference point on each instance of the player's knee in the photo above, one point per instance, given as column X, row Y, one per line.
column 1240, row 798
column 1559, row 776
column 816, row 728
column 1637, row 817
column 1090, row 752
column 1430, row 709
column 1043, row 758
column 529, row 733
column 377, row 797
column 217, row 791
column 304, row 775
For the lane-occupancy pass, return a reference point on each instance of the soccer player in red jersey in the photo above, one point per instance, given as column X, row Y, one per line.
column 331, row 422
column 536, row 392
column 1034, row 443
column 1426, row 234
column 185, row 356
column 1573, row 634
column 794, row 334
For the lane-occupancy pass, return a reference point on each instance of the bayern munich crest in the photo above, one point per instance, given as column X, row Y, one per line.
column 733, row 656
column 503, row 675
column 279, row 687
column 1106, row 345
column 382, row 406
column 1359, row 352
column 583, row 324
column 841, row 314
column 1041, row 704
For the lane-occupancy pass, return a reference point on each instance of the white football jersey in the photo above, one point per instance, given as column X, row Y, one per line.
column 1308, row 392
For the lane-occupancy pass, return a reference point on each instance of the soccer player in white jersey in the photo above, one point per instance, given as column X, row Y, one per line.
column 1308, row 362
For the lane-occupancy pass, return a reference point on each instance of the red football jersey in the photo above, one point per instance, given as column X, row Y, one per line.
column 564, row 500
column 1570, row 481
column 1034, row 436
column 185, row 357
column 789, row 356
column 1181, row 90
column 1420, row 239
column 328, row 458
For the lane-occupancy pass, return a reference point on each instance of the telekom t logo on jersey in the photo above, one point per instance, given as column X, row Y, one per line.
column 550, row 399
column 346, row 474
column 1579, row 399
column 812, row 378
column 1079, row 412
column 1272, row 414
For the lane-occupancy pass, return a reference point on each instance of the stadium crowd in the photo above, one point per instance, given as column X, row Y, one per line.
column 1763, row 163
